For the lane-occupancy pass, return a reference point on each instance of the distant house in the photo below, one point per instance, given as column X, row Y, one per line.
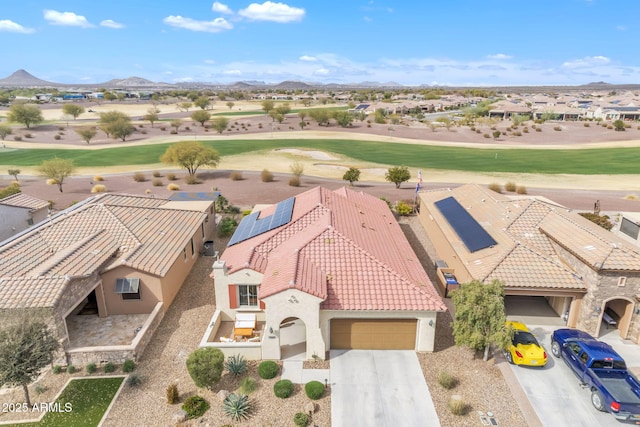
column 19, row 212
column 338, row 263
column 99, row 262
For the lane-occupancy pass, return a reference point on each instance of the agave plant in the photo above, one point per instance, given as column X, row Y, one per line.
column 236, row 364
column 237, row 406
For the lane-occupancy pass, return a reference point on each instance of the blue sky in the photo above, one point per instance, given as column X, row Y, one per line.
column 449, row 42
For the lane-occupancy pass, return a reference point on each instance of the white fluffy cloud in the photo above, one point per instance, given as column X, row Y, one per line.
column 221, row 8
column 499, row 56
column 308, row 58
column 215, row 26
column 111, row 24
column 587, row 62
column 12, row 27
column 270, row 11
column 69, row 19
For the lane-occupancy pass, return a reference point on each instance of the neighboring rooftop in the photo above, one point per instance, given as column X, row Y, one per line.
column 22, row 200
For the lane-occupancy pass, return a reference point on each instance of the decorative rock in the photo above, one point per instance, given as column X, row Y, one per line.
column 310, row 408
column 180, row 416
column 222, row 395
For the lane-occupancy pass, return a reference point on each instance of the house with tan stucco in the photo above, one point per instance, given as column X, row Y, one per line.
column 543, row 252
column 19, row 212
column 103, row 272
column 335, row 263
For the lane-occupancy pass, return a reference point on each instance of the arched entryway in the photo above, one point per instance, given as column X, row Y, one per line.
column 293, row 339
column 616, row 315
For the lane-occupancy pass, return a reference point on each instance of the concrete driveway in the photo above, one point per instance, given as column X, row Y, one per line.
column 379, row 388
column 554, row 391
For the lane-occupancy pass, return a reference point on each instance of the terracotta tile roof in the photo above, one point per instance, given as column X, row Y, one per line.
column 22, row 200
column 130, row 200
column 344, row 247
column 96, row 236
column 524, row 256
column 33, row 292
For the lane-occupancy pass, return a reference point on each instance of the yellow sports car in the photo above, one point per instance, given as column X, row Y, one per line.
column 524, row 348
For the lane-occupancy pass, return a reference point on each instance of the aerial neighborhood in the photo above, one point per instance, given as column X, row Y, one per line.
column 255, row 254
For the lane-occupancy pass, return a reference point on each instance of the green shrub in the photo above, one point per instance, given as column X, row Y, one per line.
column 128, row 366
column 601, row 220
column 57, row 369
column 139, row 177
column 39, row 389
column 237, row 406
column 134, row 380
column 227, row 226
column 283, row 389
column 172, row 394
column 314, row 389
column 109, row 367
column 236, row 364
column 446, row 380
column 268, row 369
column 248, row 385
column 266, row 176
column 458, row 407
column 301, row 419
column 195, row 406
column 403, row 208
column 510, row 186
column 91, row 368
column 495, row 187
column 71, row 369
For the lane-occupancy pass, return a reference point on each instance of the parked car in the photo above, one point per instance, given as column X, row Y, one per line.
column 596, row 364
column 525, row 348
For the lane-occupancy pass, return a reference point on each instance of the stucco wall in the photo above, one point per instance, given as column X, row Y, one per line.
column 13, row 220
column 222, row 280
column 150, row 292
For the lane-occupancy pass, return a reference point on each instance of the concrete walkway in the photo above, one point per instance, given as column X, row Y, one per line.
column 379, row 388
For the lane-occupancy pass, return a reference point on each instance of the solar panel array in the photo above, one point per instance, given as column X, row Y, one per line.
column 361, row 107
column 472, row 234
column 251, row 226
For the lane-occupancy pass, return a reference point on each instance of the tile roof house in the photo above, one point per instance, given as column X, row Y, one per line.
column 115, row 254
column 19, row 212
column 538, row 248
column 341, row 264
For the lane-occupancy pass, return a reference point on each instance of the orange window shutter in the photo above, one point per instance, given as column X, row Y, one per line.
column 233, row 297
column 262, row 306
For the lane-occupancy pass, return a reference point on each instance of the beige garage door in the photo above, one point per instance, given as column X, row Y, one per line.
column 373, row 334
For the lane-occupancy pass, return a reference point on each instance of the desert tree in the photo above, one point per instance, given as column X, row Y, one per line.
column 230, row 104
column 87, row 133
column 275, row 116
column 121, row 128
column 397, row 175
column 190, row 155
column 352, row 175
column 57, row 170
column 283, row 108
column 110, row 96
column 220, row 124
column 185, row 106
column 14, row 173
column 446, row 122
column 26, row 347
column 200, row 116
column 202, row 102
column 268, row 105
column 302, row 124
column 5, row 130
column 480, row 318
column 205, row 366
column 496, row 134
column 343, row 118
column 618, row 125
column 26, row 114
column 151, row 116
column 320, row 115
column 109, row 117
column 176, row 123
column 73, row 110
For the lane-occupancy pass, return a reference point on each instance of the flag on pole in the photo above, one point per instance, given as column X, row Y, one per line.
column 419, row 185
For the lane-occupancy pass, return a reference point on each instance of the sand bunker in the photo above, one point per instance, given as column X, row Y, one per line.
column 316, row 155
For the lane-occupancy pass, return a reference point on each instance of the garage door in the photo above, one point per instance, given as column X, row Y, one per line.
column 373, row 334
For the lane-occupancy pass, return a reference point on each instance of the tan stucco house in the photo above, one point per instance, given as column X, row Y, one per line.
column 589, row 276
column 109, row 257
column 338, row 262
column 19, row 212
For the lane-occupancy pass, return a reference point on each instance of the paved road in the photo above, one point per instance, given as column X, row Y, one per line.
column 555, row 393
column 379, row 388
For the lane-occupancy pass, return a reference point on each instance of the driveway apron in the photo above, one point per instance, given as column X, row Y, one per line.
column 379, row 388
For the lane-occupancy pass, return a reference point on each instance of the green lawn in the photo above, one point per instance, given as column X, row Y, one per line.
column 584, row 161
column 89, row 399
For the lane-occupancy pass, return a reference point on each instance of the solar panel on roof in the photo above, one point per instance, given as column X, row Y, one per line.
column 361, row 107
column 472, row 234
column 251, row 226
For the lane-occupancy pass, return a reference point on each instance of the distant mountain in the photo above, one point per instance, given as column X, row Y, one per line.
column 22, row 78
column 598, row 84
column 132, row 82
